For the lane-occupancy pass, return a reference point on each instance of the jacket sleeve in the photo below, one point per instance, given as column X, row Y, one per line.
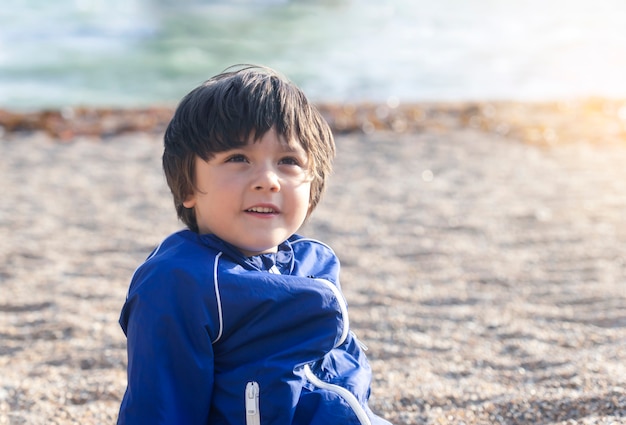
column 170, row 354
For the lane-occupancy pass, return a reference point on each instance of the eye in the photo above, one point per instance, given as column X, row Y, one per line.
column 290, row 160
column 237, row 158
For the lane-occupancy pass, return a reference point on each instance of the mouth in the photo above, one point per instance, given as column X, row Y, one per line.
column 262, row 210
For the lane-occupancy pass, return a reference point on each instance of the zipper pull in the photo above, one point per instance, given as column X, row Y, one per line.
column 253, row 415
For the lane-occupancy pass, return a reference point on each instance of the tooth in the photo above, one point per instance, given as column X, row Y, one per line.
column 261, row 210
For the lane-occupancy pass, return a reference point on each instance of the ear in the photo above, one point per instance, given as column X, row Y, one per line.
column 190, row 202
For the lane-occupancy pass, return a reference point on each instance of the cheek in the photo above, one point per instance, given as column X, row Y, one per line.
column 304, row 196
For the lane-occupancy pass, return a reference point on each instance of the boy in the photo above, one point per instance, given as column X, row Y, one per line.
column 238, row 320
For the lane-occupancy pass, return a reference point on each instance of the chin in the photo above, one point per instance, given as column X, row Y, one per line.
column 252, row 251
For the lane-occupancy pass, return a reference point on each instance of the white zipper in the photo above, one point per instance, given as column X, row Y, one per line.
column 342, row 392
column 253, row 415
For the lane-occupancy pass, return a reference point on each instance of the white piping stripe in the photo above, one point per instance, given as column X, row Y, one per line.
column 344, row 311
column 218, row 298
column 312, row 240
column 341, row 391
column 156, row 250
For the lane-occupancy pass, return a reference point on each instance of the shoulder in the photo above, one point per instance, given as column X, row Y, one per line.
column 303, row 243
column 305, row 248
column 180, row 259
column 185, row 244
column 175, row 282
column 314, row 258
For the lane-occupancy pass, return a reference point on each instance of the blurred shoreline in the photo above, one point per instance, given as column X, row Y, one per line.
column 591, row 120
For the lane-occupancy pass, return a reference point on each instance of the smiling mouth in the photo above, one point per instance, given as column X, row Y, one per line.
column 262, row 210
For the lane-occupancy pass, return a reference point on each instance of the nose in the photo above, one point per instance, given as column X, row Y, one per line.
column 266, row 179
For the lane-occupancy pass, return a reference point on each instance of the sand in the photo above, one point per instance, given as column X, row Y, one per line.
column 483, row 250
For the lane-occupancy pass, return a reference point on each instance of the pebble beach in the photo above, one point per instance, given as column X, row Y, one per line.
column 483, row 250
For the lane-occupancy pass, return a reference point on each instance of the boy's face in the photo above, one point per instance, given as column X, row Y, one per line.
column 253, row 197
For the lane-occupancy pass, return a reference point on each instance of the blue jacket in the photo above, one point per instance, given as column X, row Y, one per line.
column 215, row 337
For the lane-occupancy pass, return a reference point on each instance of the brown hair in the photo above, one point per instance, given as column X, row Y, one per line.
column 225, row 111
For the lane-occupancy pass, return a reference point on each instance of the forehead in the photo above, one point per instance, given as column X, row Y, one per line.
column 284, row 143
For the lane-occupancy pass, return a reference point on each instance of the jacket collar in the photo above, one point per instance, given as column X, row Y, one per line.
column 283, row 259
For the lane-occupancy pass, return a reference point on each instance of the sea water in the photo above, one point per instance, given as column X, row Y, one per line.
column 146, row 52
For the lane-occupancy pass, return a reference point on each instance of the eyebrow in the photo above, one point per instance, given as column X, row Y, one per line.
column 289, row 148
